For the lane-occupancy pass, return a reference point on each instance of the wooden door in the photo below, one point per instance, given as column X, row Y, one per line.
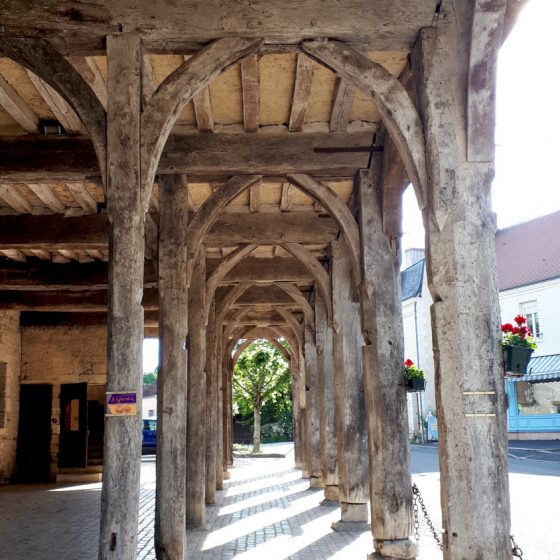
column 73, row 425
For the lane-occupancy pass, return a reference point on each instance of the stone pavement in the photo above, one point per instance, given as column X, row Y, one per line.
column 266, row 511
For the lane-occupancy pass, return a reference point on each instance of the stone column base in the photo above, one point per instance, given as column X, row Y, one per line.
column 227, row 475
column 354, row 517
column 315, row 482
column 304, row 474
column 403, row 549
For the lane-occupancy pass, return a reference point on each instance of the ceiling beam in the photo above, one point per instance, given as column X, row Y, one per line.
column 203, row 157
column 92, row 231
column 17, row 108
column 203, row 110
column 250, row 87
column 302, row 88
column 342, row 104
column 89, row 71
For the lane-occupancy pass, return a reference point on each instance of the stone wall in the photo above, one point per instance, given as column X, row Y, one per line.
column 10, row 355
column 59, row 355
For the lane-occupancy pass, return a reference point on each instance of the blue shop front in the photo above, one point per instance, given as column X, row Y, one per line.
column 534, row 398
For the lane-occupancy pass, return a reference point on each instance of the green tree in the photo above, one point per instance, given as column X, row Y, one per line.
column 260, row 375
column 151, row 377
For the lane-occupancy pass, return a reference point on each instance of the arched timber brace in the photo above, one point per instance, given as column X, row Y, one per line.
column 231, row 297
column 294, row 292
column 338, row 210
column 395, row 106
column 224, row 267
column 210, row 211
column 48, row 64
column 177, row 89
column 314, row 266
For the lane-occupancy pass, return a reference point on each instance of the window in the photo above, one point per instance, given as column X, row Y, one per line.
column 529, row 310
column 150, row 425
column 151, row 413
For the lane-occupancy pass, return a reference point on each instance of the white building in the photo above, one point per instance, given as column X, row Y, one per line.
column 528, row 265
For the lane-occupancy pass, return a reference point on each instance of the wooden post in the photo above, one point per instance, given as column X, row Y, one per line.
column 384, row 386
column 294, row 372
column 325, row 388
column 461, row 269
column 219, row 409
column 349, row 395
column 211, row 406
column 303, row 433
column 125, row 317
column 172, row 379
column 312, row 409
column 196, row 404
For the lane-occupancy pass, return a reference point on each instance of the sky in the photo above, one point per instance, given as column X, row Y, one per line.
column 526, row 184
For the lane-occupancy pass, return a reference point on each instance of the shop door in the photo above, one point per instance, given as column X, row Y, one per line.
column 73, row 425
column 33, row 456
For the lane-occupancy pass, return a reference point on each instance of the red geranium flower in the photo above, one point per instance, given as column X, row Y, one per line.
column 409, row 363
column 515, row 330
column 523, row 331
column 508, row 327
column 520, row 320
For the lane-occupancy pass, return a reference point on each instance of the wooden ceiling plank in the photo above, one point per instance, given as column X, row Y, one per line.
column 254, row 197
column 41, row 254
column 45, row 194
column 89, row 71
column 82, row 197
column 11, row 197
column 203, row 110
column 14, row 254
column 302, row 88
column 17, row 108
column 287, row 199
column 342, row 105
column 63, row 113
column 148, row 81
column 250, row 86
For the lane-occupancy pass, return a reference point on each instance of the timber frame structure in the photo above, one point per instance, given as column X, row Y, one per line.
column 232, row 173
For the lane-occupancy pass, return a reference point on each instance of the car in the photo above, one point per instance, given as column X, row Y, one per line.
column 149, row 433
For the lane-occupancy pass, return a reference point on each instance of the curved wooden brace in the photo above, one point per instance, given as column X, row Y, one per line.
column 395, row 106
column 283, row 350
column 39, row 56
column 176, row 91
column 209, row 212
column 231, row 297
column 224, row 267
column 295, row 293
column 291, row 321
column 230, row 327
column 339, row 211
column 486, row 40
column 319, row 273
column 240, row 350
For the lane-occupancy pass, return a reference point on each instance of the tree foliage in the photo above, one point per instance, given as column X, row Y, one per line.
column 261, row 376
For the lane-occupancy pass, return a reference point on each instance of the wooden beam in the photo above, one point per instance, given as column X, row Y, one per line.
column 250, row 86
column 264, row 296
column 203, row 110
column 179, row 28
column 287, row 199
column 206, row 157
column 95, row 300
column 265, row 271
column 11, row 197
column 342, row 104
column 302, row 88
column 14, row 254
column 17, row 108
column 82, row 197
column 45, row 194
column 89, row 71
column 63, row 113
column 254, row 198
column 148, row 81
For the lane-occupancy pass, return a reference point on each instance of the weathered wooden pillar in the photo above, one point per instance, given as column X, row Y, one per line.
column 211, row 406
column 172, row 378
column 312, row 408
column 125, row 321
column 196, row 402
column 349, row 394
column 219, row 409
column 384, row 388
column 325, row 390
column 296, row 387
column 303, row 432
column 460, row 229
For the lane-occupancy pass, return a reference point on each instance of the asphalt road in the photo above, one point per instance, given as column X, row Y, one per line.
column 534, row 492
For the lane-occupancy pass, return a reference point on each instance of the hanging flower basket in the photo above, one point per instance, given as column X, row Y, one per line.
column 415, row 378
column 415, row 384
column 516, row 360
column 518, row 346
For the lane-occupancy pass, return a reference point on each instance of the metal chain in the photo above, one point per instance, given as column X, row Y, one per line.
column 418, row 500
column 515, row 550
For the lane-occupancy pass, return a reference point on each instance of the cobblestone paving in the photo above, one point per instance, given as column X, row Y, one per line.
column 266, row 511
